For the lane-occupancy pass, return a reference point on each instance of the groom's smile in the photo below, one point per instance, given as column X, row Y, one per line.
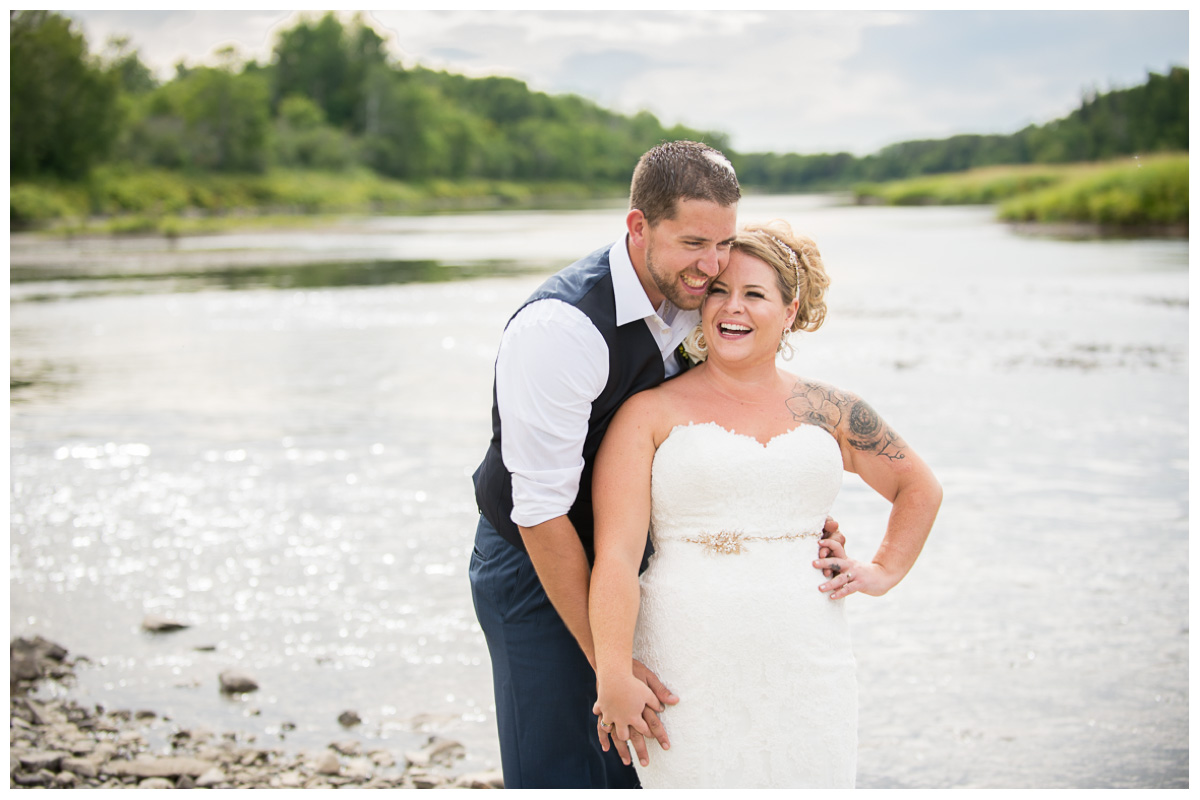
column 685, row 252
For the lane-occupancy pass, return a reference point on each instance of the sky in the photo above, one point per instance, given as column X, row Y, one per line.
column 787, row 81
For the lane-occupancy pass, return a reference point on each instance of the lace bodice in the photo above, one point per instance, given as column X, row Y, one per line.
column 784, row 488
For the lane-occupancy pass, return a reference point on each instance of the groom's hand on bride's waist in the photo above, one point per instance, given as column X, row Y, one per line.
column 830, row 531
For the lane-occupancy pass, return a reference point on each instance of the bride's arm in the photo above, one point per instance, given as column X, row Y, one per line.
column 621, row 502
column 875, row 452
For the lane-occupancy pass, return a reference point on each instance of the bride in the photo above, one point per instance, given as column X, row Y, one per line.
column 733, row 466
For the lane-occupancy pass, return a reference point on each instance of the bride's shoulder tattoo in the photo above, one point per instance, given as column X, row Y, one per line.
column 819, row 404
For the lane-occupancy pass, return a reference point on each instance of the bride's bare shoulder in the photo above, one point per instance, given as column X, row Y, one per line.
column 656, row 410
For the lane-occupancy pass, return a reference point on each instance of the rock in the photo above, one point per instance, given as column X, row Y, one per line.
column 29, row 710
column 104, row 751
column 359, row 769
column 210, row 778
column 287, row 780
column 42, row 778
column 65, row 780
column 383, row 758
column 437, row 750
column 43, row 759
column 481, row 780
column 424, row 780
column 83, row 747
column 84, row 767
column 349, row 719
column 31, row 659
column 327, row 764
column 347, row 747
column 252, row 756
column 156, row 624
column 162, row 767
column 23, row 667
column 144, row 713
column 185, row 782
column 156, row 783
column 234, row 682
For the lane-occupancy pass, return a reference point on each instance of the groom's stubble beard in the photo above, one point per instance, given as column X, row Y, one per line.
column 668, row 284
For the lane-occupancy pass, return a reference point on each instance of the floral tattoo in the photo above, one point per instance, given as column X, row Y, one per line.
column 829, row 408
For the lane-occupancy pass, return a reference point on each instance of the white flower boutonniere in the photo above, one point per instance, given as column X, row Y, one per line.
column 694, row 347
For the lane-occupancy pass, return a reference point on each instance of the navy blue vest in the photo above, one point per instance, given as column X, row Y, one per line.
column 634, row 363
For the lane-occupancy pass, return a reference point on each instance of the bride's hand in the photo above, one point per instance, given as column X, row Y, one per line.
column 850, row 576
column 619, row 706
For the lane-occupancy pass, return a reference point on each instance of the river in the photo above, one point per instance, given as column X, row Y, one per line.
column 269, row 436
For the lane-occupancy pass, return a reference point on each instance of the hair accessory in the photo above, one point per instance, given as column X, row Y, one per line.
column 795, row 263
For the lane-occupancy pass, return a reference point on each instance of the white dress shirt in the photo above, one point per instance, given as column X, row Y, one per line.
column 552, row 364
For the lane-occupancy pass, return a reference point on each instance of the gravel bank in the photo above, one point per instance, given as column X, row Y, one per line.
column 56, row 743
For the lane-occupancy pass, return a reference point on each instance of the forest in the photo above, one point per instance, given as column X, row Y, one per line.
column 89, row 129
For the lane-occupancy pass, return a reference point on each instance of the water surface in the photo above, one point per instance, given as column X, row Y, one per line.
column 269, row 436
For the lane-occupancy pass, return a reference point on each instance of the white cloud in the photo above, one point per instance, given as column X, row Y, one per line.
column 806, row 81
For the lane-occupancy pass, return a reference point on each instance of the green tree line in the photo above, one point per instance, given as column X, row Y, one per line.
column 1150, row 118
column 330, row 99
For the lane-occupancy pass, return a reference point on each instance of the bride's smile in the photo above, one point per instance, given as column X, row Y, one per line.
column 744, row 313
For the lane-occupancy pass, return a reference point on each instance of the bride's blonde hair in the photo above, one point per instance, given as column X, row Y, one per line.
column 799, row 270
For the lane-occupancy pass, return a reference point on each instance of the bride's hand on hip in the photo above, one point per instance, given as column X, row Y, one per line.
column 850, row 576
column 619, row 706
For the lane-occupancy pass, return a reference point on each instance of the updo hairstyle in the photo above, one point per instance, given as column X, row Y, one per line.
column 776, row 245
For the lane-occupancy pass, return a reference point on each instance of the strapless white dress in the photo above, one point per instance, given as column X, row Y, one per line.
column 731, row 618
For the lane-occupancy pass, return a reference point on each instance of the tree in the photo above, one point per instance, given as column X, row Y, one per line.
column 64, row 111
column 134, row 76
column 330, row 64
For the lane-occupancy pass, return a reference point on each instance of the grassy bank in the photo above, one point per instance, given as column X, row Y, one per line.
column 1130, row 192
column 115, row 200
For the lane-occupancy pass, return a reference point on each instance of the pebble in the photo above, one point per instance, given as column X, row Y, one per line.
column 58, row 743
column 156, row 624
column 234, row 682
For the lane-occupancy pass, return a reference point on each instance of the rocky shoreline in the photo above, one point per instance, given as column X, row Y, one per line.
column 58, row 743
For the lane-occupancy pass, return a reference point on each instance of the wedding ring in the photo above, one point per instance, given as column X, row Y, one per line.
column 605, row 725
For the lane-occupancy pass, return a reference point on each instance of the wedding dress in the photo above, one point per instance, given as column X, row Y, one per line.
column 731, row 618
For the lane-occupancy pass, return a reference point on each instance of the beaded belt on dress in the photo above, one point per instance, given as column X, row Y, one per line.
column 732, row 542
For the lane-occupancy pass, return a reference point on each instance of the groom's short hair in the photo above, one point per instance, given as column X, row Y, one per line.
column 681, row 169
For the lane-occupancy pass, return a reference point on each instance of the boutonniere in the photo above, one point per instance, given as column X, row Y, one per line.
column 693, row 349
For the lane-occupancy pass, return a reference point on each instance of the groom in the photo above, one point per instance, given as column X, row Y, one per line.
column 591, row 336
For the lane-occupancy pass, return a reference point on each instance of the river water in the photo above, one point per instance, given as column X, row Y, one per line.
column 269, row 436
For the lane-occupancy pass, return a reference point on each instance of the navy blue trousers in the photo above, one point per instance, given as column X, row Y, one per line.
column 544, row 685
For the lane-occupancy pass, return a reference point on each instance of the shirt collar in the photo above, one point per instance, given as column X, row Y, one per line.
column 632, row 303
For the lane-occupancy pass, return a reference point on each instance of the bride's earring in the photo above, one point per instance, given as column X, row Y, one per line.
column 785, row 347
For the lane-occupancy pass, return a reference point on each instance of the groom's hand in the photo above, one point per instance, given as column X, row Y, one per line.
column 665, row 697
column 830, row 532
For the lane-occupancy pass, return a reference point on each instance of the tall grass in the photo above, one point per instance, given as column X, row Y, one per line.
column 122, row 200
column 1150, row 191
column 977, row 186
column 1129, row 192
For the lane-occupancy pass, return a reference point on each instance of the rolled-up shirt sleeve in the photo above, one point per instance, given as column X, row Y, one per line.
column 552, row 364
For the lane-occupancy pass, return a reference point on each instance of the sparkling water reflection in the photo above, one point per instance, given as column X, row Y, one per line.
column 286, row 469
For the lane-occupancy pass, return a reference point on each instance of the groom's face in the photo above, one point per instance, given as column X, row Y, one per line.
column 684, row 253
